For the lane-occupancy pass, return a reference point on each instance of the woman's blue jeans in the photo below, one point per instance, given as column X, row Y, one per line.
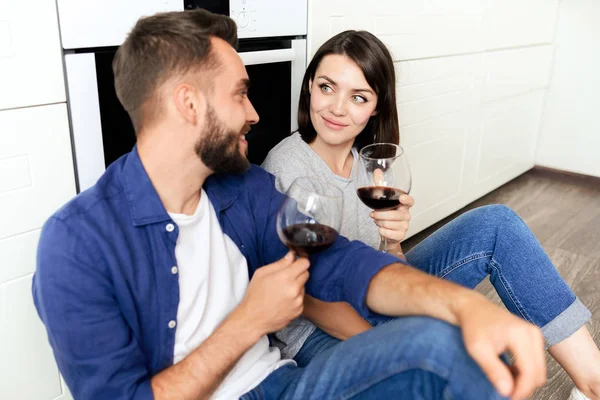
column 488, row 241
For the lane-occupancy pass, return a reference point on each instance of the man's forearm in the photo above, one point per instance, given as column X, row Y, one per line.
column 399, row 290
column 199, row 374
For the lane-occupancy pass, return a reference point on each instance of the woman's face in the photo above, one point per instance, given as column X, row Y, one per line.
column 341, row 100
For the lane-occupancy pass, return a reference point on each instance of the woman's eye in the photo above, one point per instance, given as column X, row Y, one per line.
column 358, row 99
column 325, row 88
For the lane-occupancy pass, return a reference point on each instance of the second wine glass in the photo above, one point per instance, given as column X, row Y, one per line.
column 388, row 177
column 310, row 217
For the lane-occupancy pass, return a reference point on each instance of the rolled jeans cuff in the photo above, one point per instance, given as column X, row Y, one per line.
column 566, row 323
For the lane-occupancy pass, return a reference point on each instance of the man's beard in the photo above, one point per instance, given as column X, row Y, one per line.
column 219, row 147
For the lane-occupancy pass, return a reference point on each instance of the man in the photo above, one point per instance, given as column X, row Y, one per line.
column 143, row 280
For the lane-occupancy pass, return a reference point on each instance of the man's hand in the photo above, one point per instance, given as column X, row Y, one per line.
column 489, row 331
column 275, row 295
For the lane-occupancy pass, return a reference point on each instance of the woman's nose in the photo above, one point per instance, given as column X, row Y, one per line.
column 338, row 107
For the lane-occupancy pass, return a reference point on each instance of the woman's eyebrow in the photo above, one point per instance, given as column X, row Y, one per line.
column 328, row 79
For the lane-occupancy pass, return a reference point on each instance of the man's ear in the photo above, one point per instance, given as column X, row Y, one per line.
column 189, row 102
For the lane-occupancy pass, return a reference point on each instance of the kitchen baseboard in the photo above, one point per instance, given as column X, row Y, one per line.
column 589, row 179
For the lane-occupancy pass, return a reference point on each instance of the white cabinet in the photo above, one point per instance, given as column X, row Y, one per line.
column 570, row 132
column 36, row 167
column 471, row 77
column 26, row 361
column 36, row 178
column 31, row 71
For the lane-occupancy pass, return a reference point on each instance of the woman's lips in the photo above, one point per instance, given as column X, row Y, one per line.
column 333, row 125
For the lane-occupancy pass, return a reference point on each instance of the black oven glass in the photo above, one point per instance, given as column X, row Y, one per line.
column 270, row 93
column 214, row 6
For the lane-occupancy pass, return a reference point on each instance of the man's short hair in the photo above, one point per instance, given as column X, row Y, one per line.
column 162, row 46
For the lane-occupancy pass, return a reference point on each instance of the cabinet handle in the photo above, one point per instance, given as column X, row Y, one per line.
column 267, row 56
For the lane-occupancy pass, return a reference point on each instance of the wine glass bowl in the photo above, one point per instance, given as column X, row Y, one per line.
column 388, row 176
column 310, row 217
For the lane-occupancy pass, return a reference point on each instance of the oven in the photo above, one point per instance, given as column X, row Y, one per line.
column 272, row 45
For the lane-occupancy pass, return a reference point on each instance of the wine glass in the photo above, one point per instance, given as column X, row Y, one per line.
column 310, row 218
column 388, row 177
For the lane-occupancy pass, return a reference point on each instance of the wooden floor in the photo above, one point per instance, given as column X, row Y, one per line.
column 563, row 211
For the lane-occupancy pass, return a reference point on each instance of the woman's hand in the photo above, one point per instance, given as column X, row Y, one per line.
column 393, row 224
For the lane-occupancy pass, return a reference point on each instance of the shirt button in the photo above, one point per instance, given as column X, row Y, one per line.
column 174, row 270
column 170, row 227
column 172, row 324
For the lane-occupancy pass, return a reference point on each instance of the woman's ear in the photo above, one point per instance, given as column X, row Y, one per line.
column 374, row 113
column 310, row 86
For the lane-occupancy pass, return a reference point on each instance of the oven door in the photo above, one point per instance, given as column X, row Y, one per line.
column 102, row 130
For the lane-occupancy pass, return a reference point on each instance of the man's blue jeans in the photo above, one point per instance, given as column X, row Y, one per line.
column 405, row 358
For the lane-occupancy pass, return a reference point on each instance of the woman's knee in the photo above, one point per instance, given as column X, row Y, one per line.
column 497, row 215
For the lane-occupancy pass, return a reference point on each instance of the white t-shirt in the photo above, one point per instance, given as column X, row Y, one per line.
column 213, row 277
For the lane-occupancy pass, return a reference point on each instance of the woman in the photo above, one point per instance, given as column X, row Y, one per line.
column 348, row 101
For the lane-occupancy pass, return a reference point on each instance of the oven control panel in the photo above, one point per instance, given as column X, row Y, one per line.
column 102, row 23
column 268, row 18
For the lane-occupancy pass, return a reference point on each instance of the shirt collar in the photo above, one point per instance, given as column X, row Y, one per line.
column 144, row 203
column 223, row 190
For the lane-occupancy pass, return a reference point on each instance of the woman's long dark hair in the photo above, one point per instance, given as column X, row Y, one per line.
column 375, row 61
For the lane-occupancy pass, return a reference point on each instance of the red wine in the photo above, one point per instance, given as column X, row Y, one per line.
column 380, row 197
column 307, row 239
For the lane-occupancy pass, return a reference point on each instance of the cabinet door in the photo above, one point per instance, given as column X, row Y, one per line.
column 31, row 70
column 26, row 361
column 36, row 167
column 36, row 178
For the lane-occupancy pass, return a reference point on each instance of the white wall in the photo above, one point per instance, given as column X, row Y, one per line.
column 36, row 178
column 570, row 134
column 471, row 80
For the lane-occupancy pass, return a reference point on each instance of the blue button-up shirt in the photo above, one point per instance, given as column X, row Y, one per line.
column 106, row 289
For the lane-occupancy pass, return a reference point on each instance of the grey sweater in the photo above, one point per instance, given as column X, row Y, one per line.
column 293, row 158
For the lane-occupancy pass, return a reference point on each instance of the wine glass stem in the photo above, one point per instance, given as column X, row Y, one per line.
column 383, row 245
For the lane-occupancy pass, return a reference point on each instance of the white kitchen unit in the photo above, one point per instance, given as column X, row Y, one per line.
column 471, row 81
column 36, row 178
column 31, row 71
column 570, row 134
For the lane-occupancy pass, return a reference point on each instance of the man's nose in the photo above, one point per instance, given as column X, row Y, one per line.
column 251, row 114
